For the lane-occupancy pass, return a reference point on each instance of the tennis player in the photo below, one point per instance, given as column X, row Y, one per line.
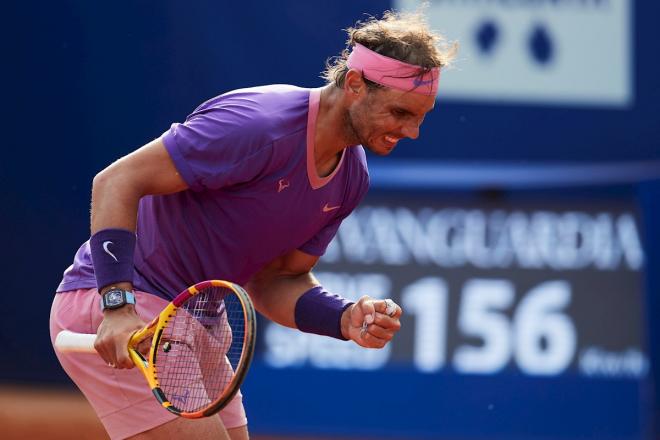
column 251, row 188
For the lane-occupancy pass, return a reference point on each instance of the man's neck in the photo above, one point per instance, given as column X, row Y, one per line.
column 330, row 138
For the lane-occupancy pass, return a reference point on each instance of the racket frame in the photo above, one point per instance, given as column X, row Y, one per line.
column 148, row 366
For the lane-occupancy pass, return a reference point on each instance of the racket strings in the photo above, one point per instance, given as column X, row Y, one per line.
column 200, row 348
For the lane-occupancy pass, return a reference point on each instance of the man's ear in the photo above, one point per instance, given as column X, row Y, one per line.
column 354, row 83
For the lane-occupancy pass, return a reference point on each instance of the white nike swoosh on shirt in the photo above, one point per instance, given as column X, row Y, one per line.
column 327, row 208
column 107, row 251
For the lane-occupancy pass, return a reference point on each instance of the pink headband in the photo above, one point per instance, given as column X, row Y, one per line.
column 393, row 73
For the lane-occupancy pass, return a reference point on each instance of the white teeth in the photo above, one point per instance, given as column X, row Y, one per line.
column 390, row 139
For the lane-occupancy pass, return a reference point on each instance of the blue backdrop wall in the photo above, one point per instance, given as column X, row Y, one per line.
column 88, row 82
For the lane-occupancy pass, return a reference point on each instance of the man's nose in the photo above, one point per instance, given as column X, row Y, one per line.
column 411, row 130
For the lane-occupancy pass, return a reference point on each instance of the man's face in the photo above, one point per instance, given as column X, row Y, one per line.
column 384, row 116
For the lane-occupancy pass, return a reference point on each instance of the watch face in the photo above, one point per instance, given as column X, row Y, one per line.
column 114, row 298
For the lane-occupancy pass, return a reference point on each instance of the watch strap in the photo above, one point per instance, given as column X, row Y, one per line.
column 129, row 298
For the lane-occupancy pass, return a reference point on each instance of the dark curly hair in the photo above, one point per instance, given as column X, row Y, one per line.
column 404, row 36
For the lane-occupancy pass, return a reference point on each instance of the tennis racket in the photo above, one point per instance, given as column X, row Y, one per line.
column 201, row 348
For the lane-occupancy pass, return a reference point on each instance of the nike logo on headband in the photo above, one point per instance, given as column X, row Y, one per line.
column 418, row 82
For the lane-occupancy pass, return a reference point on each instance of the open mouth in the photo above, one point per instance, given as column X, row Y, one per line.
column 390, row 141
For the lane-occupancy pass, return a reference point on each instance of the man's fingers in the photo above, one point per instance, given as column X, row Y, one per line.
column 380, row 332
column 368, row 309
column 144, row 346
column 113, row 354
column 124, row 362
column 371, row 341
column 123, row 358
column 106, row 351
column 386, row 322
column 388, row 307
column 363, row 312
column 374, row 321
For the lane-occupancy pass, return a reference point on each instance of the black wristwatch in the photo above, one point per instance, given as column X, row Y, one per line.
column 116, row 298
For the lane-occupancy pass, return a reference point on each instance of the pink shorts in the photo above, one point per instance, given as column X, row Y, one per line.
column 121, row 398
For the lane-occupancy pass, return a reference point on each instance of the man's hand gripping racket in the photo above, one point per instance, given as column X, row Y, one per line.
column 201, row 346
column 373, row 322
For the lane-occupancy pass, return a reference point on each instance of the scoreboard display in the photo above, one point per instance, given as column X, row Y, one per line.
column 523, row 319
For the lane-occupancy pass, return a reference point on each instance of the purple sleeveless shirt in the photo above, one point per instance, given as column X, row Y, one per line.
column 254, row 194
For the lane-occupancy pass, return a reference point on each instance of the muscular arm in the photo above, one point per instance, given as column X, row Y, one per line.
column 117, row 189
column 277, row 287
column 116, row 192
